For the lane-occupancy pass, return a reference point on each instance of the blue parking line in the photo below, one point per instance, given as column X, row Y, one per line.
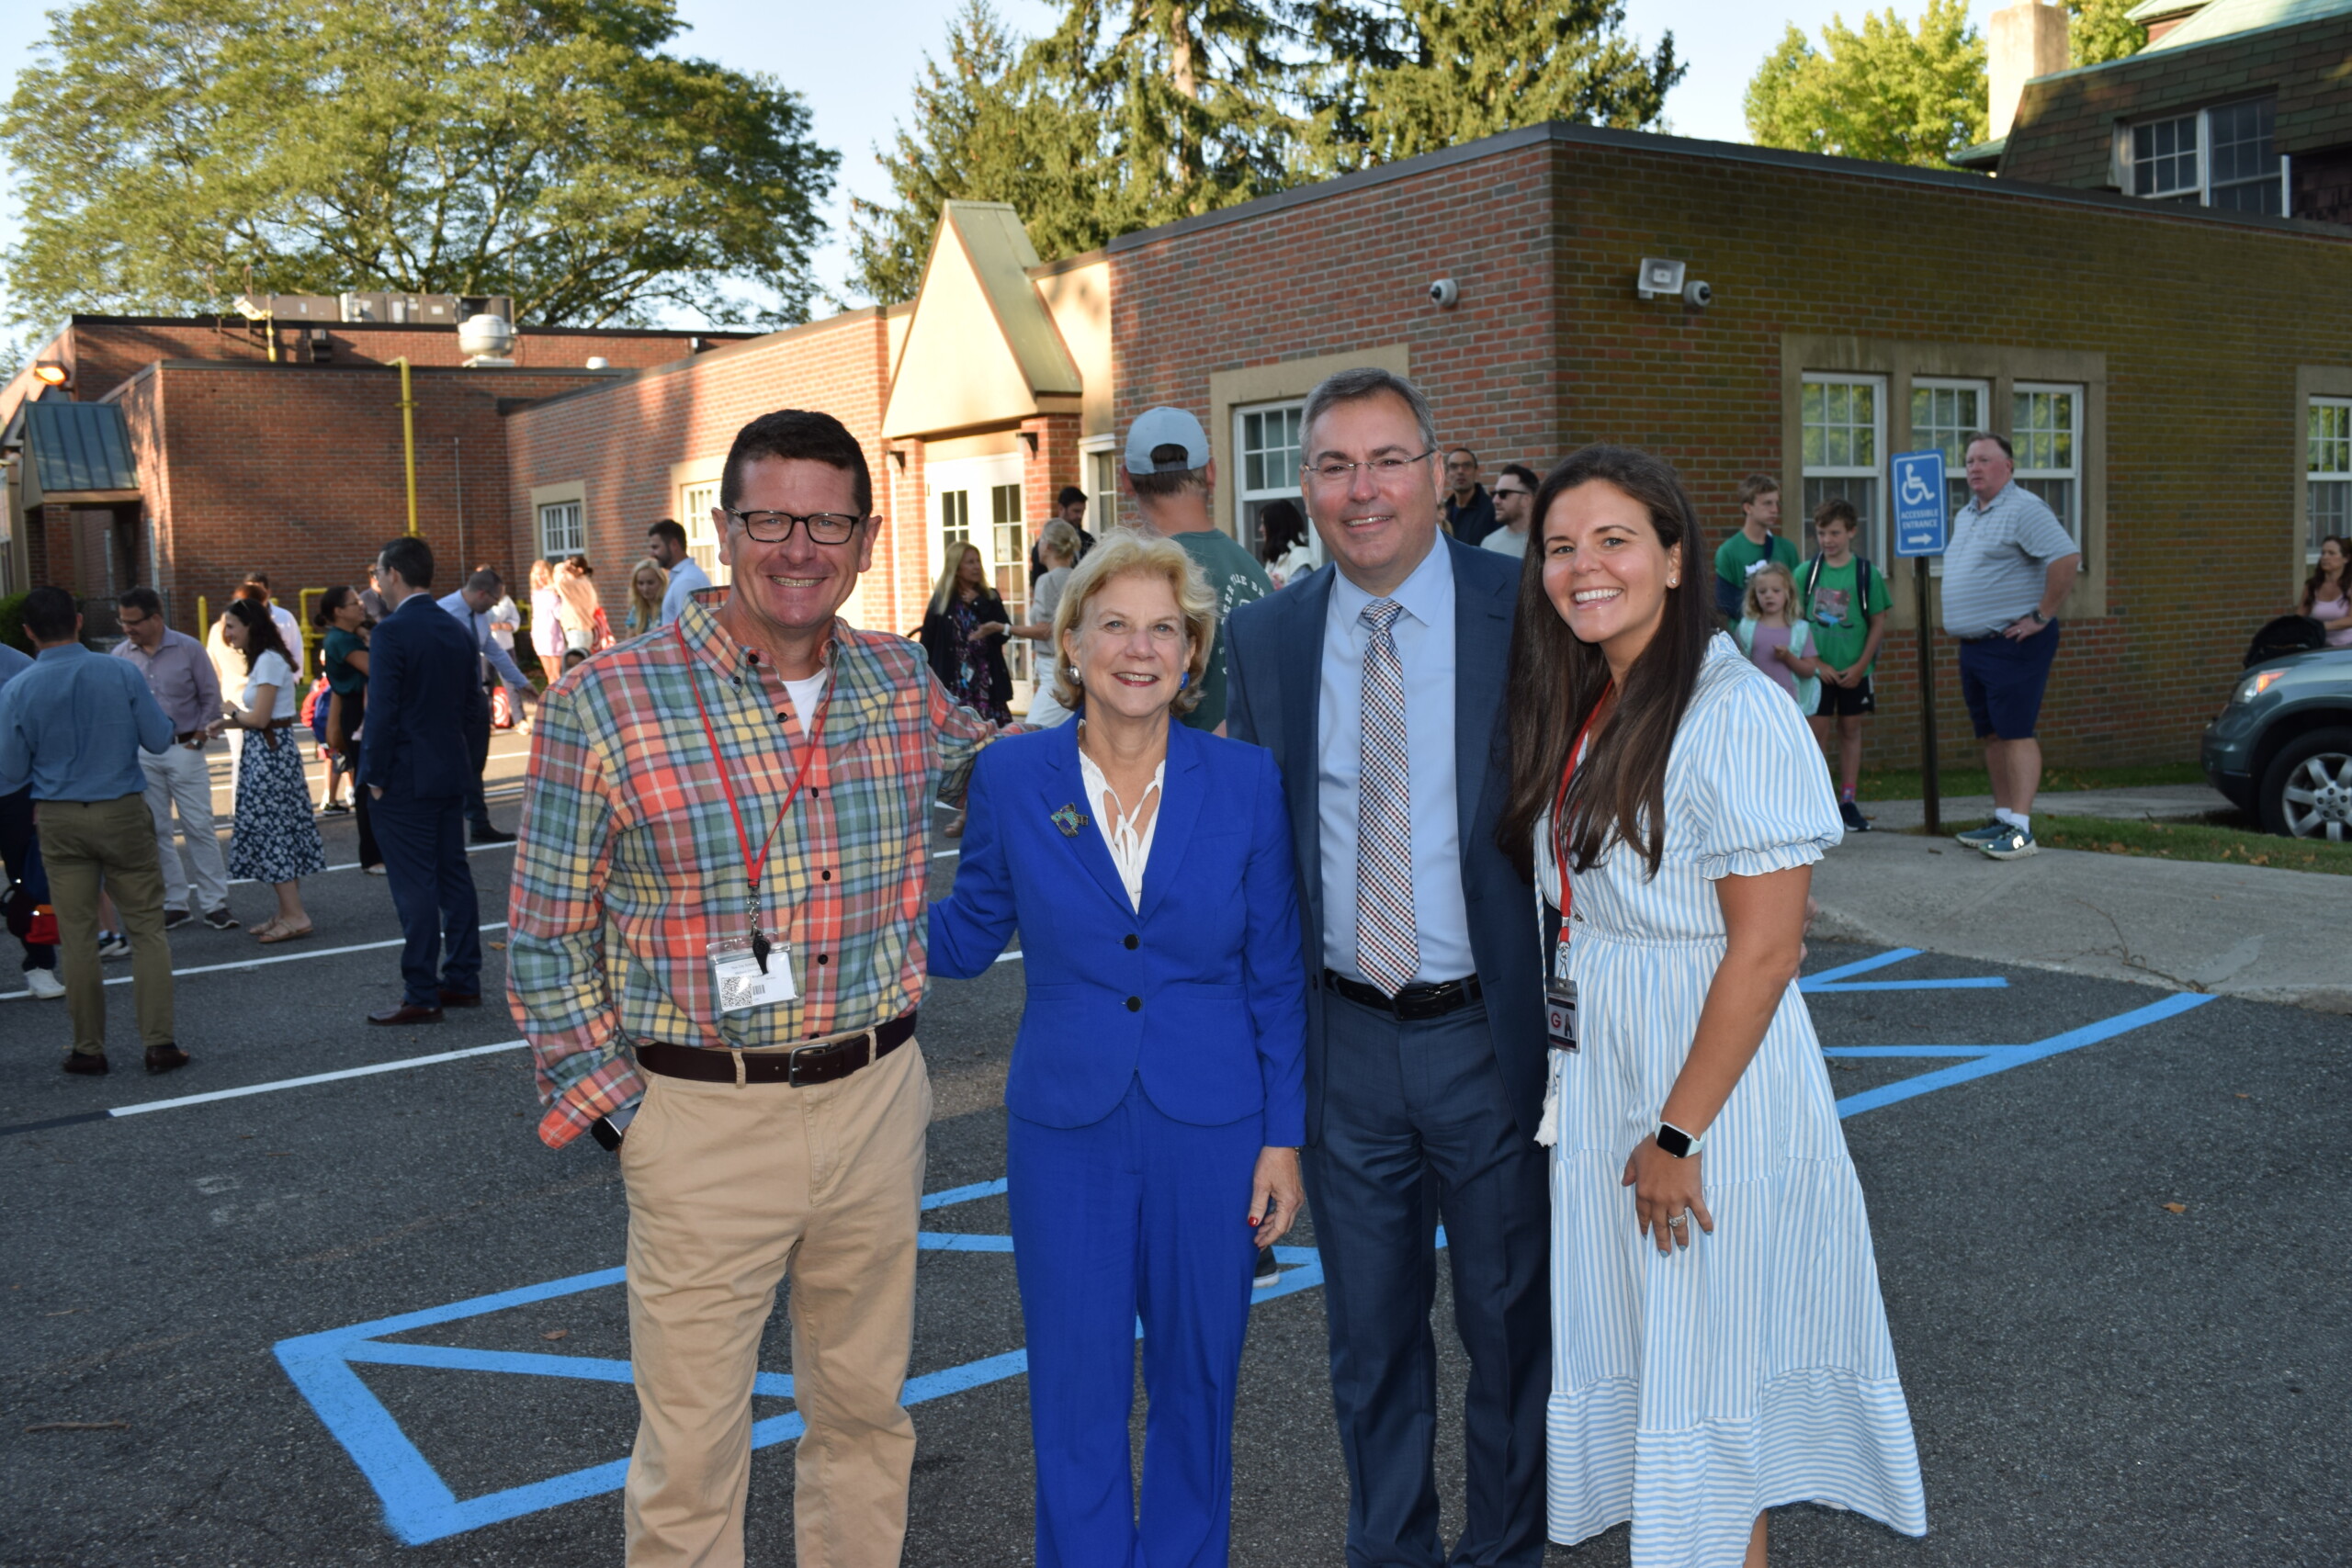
column 2002, row 1058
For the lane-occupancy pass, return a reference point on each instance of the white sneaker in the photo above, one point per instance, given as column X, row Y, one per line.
column 44, row 983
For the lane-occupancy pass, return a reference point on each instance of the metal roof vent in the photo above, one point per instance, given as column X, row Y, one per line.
column 485, row 340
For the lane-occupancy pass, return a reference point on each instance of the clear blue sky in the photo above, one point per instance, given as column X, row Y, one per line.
column 855, row 65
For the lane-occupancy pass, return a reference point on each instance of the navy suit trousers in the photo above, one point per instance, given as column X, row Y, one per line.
column 1411, row 1108
column 423, row 843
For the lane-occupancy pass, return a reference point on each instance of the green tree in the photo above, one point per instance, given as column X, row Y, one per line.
column 1464, row 69
column 981, row 132
column 1884, row 92
column 542, row 149
column 2101, row 31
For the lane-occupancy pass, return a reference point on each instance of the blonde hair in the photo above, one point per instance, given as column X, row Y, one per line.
column 1126, row 553
column 943, row 591
column 1748, row 605
column 1061, row 540
column 542, row 575
column 646, row 612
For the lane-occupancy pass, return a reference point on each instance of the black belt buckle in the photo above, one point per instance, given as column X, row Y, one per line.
column 1424, row 1000
column 791, row 1063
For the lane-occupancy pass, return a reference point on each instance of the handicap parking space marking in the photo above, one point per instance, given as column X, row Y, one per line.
column 419, row 1507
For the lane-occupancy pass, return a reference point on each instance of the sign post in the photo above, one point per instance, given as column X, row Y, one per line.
column 1919, row 520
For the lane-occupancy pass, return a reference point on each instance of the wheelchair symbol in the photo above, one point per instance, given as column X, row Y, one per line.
column 1915, row 488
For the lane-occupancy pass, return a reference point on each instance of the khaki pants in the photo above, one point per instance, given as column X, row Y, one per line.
column 729, row 1189
column 83, row 843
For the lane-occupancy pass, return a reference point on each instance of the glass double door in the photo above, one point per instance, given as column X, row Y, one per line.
column 977, row 502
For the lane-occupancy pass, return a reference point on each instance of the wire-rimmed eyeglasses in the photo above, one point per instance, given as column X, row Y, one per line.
column 1384, row 470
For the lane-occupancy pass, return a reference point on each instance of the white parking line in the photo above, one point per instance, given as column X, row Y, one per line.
column 353, row 865
column 368, row 1071
column 256, row 963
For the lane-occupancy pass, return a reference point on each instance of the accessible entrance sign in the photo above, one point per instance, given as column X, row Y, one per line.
column 1919, row 513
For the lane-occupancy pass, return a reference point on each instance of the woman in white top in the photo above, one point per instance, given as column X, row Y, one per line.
column 1057, row 548
column 276, row 841
column 546, row 620
column 1719, row 1346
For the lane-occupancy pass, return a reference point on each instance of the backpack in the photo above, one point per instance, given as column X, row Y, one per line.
column 1862, row 585
column 315, row 708
column 1800, row 631
column 2288, row 634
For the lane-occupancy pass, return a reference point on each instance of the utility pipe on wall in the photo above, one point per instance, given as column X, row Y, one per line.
column 408, row 438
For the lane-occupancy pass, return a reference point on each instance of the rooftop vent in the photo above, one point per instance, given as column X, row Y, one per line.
column 485, row 339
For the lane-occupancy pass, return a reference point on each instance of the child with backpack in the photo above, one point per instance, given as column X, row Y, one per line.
column 1774, row 635
column 1845, row 602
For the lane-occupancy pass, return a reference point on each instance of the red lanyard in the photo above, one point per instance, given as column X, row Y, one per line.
column 1560, row 804
column 755, row 864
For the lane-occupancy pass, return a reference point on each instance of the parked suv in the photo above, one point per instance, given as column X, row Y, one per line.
column 2281, row 749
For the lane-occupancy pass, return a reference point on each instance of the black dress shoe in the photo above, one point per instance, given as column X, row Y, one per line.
column 174, row 919
column 492, row 835
column 163, row 1058
column 450, row 999
column 92, row 1064
column 407, row 1012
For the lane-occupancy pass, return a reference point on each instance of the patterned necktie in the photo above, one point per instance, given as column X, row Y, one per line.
column 1388, row 949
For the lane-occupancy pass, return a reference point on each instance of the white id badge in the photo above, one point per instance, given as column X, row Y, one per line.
column 1560, row 1004
column 736, row 980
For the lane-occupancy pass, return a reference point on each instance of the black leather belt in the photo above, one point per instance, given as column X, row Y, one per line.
column 808, row 1066
column 1418, row 1000
column 192, row 738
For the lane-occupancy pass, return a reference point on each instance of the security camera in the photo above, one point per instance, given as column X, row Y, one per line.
column 1445, row 294
column 1698, row 293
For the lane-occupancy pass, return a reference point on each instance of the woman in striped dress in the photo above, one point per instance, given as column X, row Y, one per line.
column 1719, row 1346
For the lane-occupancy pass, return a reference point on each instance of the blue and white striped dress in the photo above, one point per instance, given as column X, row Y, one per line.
column 1691, row 1392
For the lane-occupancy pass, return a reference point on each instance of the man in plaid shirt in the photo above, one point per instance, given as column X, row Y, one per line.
column 716, row 951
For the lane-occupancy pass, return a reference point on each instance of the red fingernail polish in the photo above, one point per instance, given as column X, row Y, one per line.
column 1253, row 1219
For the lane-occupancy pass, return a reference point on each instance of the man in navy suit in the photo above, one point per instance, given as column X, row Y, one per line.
column 1377, row 682
column 423, row 688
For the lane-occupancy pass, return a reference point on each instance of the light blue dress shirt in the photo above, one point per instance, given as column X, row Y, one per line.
column 1425, row 651
column 75, row 724
column 686, row 579
column 477, row 624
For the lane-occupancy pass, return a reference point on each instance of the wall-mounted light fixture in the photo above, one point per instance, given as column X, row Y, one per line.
column 48, row 373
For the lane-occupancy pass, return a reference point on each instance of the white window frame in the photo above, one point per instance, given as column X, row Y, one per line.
column 576, row 528
column 1098, row 462
column 2314, row 475
column 1279, row 481
column 2126, row 162
column 1955, row 449
column 695, row 501
column 2023, row 440
column 1874, row 523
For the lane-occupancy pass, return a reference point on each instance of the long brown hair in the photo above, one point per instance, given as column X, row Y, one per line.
column 2318, row 578
column 260, row 632
column 1556, row 681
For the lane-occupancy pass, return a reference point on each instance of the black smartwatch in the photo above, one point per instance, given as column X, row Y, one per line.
column 1675, row 1141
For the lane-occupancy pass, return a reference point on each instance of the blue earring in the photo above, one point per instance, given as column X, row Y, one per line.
column 1184, row 680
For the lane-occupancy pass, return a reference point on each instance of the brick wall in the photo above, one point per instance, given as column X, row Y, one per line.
column 621, row 443
column 1549, row 349
column 2064, row 134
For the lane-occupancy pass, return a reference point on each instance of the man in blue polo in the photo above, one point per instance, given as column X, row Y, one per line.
column 2009, row 566
column 73, row 725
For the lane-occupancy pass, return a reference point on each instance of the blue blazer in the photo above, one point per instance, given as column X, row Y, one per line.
column 1202, row 994
column 1275, row 671
column 423, row 678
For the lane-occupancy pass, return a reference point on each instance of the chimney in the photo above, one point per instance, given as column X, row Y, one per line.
column 2026, row 40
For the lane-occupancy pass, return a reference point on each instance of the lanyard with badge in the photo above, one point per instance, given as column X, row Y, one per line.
column 741, row 975
column 1559, row 990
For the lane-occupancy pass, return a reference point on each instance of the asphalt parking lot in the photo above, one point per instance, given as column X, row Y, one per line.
column 371, row 1319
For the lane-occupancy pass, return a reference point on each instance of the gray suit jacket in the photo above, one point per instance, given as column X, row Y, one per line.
column 1276, row 669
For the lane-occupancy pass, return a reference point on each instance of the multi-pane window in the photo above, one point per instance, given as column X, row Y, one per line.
column 560, row 533
column 2328, row 465
column 1844, row 442
column 2046, row 429
column 2218, row 157
column 697, row 503
column 1944, row 414
column 1007, row 549
column 1102, row 492
column 1268, row 442
column 954, row 520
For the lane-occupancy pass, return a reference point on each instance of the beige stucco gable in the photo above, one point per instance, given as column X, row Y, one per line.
column 981, row 348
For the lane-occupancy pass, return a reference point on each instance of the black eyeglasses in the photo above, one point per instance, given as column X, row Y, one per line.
column 775, row 528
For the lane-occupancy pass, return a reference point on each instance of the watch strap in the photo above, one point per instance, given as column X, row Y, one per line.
column 1677, row 1142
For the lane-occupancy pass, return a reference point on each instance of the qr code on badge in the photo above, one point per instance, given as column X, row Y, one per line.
column 734, row 993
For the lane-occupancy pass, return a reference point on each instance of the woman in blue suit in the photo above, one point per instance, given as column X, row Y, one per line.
column 1156, row 1092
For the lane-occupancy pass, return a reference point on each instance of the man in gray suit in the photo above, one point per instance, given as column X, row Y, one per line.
column 1377, row 682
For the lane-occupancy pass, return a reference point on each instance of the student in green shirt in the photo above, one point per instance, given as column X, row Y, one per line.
column 1845, row 604
column 1171, row 477
column 1757, row 541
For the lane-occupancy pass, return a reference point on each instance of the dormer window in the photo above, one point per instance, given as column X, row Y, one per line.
column 2226, row 156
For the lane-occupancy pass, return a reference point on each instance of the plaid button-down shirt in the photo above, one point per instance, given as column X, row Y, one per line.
column 628, row 864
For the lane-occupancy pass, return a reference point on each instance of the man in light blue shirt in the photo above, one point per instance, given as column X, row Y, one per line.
column 73, row 725
column 471, row 605
column 666, row 543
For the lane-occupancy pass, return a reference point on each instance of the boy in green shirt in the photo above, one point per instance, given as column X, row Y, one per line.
column 1845, row 602
column 1757, row 541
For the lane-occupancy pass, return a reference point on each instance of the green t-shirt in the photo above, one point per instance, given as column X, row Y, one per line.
column 1733, row 559
column 1234, row 576
column 1839, row 627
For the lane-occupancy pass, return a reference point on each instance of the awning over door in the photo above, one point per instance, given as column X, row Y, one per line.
column 77, row 453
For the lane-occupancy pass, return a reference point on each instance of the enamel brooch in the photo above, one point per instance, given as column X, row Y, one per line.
column 1070, row 819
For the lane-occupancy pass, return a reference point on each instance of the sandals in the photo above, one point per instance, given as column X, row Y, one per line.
column 274, row 932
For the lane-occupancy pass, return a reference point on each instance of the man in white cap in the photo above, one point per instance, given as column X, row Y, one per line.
column 1171, row 477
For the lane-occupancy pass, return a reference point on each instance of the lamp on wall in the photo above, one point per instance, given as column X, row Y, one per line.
column 49, row 373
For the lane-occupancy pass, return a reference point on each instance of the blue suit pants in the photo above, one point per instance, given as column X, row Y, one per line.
column 424, row 842
column 1137, row 1215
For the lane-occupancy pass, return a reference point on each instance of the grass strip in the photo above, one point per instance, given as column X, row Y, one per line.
column 2192, row 840
column 1903, row 784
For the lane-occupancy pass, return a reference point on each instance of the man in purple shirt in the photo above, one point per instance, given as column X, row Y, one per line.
column 180, row 676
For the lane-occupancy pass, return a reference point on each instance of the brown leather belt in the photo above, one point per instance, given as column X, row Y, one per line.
column 1418, row 1000
column 808, row 1066
column 270, row 734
